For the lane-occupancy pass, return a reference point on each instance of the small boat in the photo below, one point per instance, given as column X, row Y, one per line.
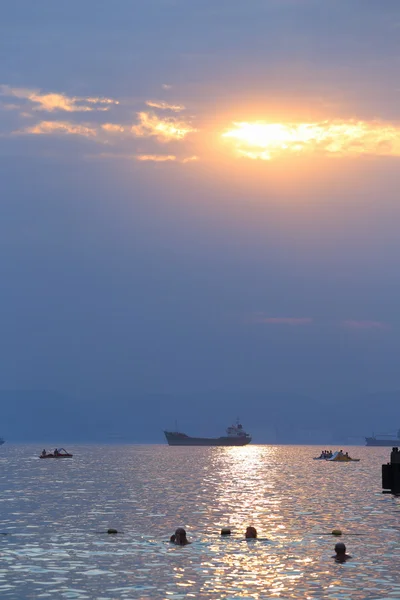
column 60, row 453
column 340, row 457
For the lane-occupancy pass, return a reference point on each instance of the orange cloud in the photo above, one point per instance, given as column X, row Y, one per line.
column 165, row 130
column 265, row 141
column 57, row 102
column 58, row 127
column 98, row 100
column 165, row 105
column 155, row 157
column 282, row 320
column 353, row 324
column 113, row 128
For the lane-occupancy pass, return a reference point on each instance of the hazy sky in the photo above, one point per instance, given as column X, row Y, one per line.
column 200, row 196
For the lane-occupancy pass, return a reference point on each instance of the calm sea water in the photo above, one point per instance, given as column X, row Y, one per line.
column 54, row 513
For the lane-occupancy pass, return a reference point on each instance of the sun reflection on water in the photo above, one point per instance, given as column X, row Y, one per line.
column 244, row 487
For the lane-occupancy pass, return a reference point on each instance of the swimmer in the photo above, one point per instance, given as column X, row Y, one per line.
column 251, row 533
column 341, row 555
column 180, row 537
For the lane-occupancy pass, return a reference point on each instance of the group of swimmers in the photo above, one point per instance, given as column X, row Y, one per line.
column 179, row 538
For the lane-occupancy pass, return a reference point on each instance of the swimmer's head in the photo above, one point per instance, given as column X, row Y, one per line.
column 251, row 532
column 340, row 548
column 180, row 536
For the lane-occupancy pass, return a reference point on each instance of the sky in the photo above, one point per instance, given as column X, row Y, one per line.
column 199, row 217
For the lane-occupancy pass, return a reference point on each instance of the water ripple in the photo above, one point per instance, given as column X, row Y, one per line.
column 56, row 513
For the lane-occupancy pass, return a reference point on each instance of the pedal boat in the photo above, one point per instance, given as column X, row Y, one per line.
column 339, row 457
column 61, row 454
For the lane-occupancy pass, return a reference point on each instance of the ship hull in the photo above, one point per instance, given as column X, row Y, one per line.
column 221, row 441
column 376, row 442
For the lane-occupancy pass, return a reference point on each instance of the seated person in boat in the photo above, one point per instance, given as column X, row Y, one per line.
column 55, row 452
column 44, row 453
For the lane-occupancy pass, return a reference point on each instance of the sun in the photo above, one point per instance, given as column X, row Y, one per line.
column 265, row 141
column 263, row 135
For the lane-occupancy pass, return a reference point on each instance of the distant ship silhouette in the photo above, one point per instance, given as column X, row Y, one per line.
column 235, row 436
column 383, row 439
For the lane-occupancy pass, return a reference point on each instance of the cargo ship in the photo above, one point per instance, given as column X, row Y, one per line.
column 383, row 439
column 235, row 436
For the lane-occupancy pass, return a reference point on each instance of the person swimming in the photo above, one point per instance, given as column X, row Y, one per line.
column 341, row 555
column 251, row 533
column 179, row 537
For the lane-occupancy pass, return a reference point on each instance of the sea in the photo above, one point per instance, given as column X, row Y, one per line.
column 54, row 517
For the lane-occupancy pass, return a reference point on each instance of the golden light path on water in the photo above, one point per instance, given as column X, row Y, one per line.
column 55, row 518
column 265, row 140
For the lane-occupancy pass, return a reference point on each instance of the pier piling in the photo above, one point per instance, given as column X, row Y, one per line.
column 391, row 474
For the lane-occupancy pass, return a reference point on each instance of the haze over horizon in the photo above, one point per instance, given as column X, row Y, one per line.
column 200, row 216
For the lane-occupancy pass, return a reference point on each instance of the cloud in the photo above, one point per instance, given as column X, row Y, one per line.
column 362, row 325
column 113, row 128
column 9, row 106
column 166, row 86
column 265, row 141
column 98, row 100
column 155, row 157
column 295, row 321
column 57, row 102
column 165, row 129
column 260, row 318
column 165, row 105
column 56, row 128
